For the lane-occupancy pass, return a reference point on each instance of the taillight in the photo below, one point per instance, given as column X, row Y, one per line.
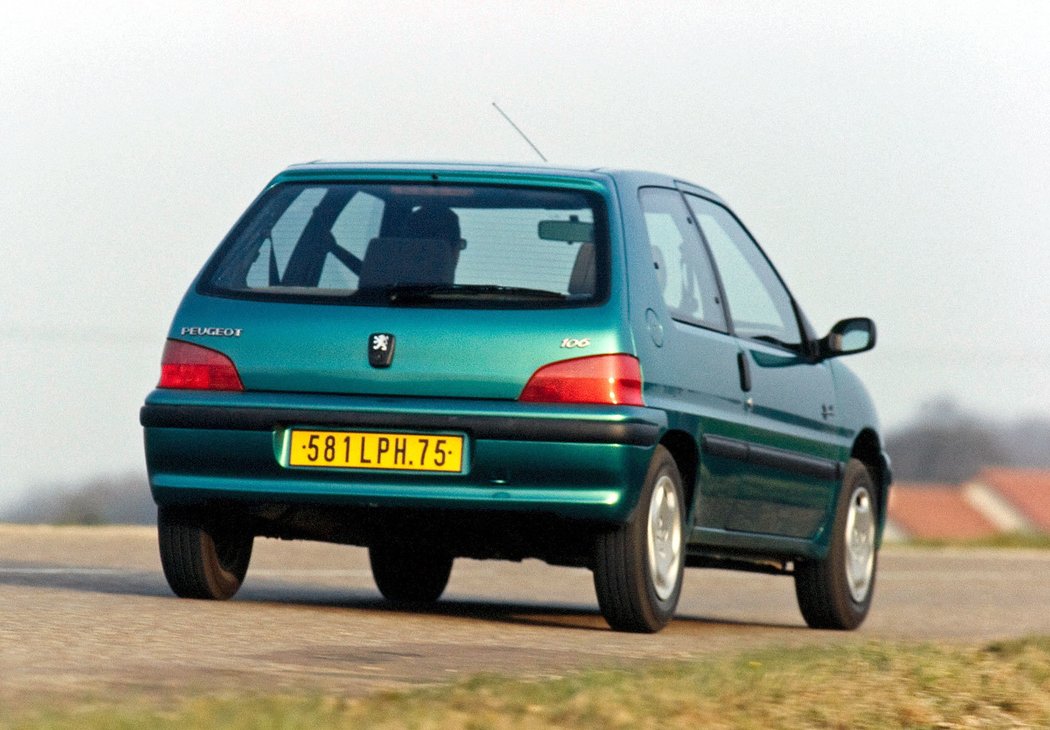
column 192, row 367
column 604, row 379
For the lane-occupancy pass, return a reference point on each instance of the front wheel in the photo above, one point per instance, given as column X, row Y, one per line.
column 638, row 566
column 836, row 592
column 202, row 557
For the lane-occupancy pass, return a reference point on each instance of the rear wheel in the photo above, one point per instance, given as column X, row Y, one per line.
column 836, row 592
column 638, row 566
column 405, row 574
column 202, row 557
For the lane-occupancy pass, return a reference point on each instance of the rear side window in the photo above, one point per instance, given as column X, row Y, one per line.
column 683, row 270
column 417, row 245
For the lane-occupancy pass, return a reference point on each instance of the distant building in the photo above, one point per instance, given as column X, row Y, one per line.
column 1022, row 493
column 935, row 512
column 997, row 500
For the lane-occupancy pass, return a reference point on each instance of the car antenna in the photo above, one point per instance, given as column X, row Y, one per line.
column 518, row 130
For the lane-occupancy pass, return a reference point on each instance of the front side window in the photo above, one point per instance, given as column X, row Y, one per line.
column 683, row 270
column 417, row 245
column 759, row 304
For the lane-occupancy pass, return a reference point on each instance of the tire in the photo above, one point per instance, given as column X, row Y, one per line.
column 405, row 574
column 202, row 558
column 638, row 566
column 836, row 592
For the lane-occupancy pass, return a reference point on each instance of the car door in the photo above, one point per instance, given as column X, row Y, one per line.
column 690, row 360
column 790, row 448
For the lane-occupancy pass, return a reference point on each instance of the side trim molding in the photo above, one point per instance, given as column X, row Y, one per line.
column 758, row 455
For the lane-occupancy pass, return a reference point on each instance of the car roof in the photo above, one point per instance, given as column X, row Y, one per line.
column 627, row 178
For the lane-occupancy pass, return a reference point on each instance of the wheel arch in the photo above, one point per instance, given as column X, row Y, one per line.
column 867, row 448
column 686, row 455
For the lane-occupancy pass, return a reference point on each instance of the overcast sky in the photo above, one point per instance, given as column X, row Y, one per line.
column 892, row 158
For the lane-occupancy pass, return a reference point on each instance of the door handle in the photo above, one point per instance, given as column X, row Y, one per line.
column 745, row 372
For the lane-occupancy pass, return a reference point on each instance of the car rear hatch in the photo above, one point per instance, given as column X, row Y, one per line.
column 459, row 289
column 488, row 354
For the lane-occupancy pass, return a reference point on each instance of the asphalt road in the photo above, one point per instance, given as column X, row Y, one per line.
column 87, row 611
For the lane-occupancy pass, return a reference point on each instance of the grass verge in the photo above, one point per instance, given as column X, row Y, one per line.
column 1025, row 540
column 872, row 685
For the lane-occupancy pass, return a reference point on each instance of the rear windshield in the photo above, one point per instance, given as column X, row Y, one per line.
column 417, row 245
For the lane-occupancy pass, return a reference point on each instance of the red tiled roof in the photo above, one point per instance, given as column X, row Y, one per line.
column 1026, row 489
column 936, row 511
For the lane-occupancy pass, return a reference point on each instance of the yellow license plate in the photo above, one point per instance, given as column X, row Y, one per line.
column 368, row 450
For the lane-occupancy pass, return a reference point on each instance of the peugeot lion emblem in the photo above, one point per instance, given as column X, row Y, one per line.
column 380, row 349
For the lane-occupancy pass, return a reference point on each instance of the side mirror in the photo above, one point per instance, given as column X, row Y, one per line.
column 848, row 337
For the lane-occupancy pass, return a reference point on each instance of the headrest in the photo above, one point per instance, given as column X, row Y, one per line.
column 583, row 277
column 393, row 261
column 432, row 221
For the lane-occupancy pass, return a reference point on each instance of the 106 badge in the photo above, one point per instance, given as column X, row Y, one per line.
column 571, row 342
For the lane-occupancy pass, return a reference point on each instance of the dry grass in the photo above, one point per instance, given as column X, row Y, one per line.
column 1006, row 540
column 867, row 686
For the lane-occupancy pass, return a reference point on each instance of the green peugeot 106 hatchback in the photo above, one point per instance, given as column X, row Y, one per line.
column 595, row 368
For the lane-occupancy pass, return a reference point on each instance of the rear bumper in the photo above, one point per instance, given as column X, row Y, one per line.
column 580, row 462
column 634, row 432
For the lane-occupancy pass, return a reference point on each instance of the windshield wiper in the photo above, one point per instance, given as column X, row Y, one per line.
column 425, row 292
